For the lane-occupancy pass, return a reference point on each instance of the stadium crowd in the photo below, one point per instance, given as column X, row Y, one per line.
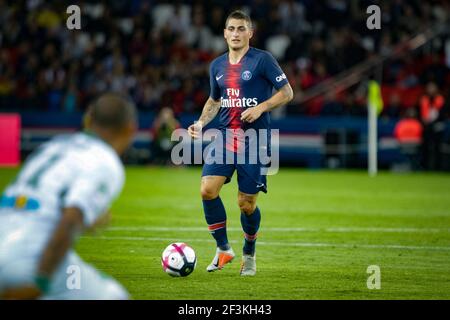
column 158, row 52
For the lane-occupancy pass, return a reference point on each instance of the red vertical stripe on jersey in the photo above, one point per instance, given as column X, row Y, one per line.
column 232, row 82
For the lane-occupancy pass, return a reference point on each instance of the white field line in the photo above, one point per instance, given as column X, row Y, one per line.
column 283, row 244
column 271, row 229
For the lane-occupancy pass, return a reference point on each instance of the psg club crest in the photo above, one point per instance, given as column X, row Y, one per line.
column 246, row 75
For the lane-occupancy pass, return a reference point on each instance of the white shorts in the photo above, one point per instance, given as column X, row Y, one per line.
column 21, row 244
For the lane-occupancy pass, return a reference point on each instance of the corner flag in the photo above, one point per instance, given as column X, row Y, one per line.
column 374, row 106
column 374, row 96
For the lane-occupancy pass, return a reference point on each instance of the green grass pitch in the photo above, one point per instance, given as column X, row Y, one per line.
column 320, row 231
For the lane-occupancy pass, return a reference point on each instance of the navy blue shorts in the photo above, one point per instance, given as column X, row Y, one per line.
column 250, row 179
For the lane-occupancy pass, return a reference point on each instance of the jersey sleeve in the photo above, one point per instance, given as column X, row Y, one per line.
column 215, row 90
column 272, row 71
column 93, row 191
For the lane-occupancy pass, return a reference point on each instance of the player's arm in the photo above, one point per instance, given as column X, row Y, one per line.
column 60, row 242
column 69, row 226
column 209, row 112
column 85, row 205
column 211, row 107
column 281, row 97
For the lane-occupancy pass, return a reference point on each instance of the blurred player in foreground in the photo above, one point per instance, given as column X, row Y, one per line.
column 64, row 188
column 242, row 82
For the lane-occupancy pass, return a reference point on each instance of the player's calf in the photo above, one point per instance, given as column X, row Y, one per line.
column 250, row 225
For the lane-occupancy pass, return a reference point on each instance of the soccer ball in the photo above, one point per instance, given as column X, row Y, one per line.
column 178, row 259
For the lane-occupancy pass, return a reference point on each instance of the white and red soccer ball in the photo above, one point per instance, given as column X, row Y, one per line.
column 178, row 259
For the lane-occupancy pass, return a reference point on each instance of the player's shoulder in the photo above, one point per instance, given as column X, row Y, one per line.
column 97, row 152
column 260, row 54
column 220, row 60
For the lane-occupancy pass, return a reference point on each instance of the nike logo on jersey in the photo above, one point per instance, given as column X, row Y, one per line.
column 281, row 77
column 217, row 78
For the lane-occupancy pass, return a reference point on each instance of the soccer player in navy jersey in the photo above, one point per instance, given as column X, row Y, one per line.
column 242, row 82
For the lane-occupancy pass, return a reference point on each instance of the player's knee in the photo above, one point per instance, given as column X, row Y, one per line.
column 16, row 274
column 247, row 207
column 115, row 291
column 208, row 193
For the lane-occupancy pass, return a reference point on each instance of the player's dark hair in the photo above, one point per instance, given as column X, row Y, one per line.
column 112, row 111
column 239, row 15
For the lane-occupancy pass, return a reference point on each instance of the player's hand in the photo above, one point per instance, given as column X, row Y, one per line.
column 251, row 114
column 195, row 130
column 28, row 292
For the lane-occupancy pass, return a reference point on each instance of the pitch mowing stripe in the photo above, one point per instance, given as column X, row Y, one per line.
column 283, row 244
column 331, row 230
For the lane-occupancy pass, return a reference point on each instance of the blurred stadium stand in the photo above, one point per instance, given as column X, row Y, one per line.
column 158, row 52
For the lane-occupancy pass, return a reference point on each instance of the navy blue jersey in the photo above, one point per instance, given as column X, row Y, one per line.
column 244, row 85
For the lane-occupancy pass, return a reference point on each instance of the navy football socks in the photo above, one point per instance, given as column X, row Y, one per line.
column 216, row 218
column 250, row 225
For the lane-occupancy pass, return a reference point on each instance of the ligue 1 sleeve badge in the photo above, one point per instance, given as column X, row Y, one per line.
column 246, row 75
